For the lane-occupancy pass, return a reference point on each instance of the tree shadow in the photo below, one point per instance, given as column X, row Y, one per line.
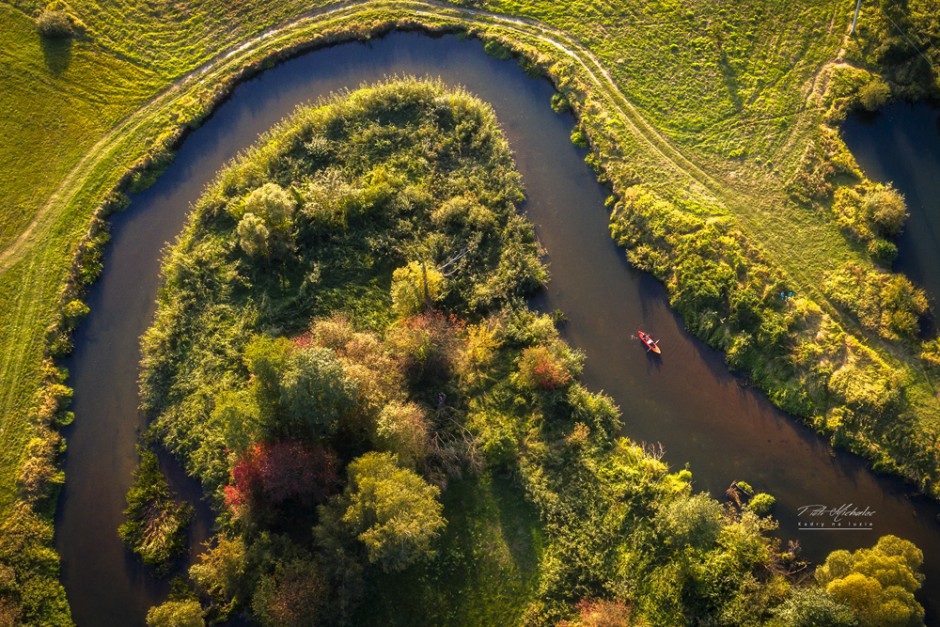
column 519, row 523
column 730, row 78
column 57, row 52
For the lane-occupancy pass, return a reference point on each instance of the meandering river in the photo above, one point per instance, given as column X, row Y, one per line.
column 686, row 400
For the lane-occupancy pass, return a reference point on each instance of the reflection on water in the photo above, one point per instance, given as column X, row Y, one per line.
column 902, row 144
column 686, row 400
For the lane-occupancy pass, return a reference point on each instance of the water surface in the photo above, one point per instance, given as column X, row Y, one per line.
column 901, row 144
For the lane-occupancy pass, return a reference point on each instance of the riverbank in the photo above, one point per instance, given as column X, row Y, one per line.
column 33, row 278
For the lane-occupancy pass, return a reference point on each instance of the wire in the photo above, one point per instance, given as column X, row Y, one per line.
column 909, row 40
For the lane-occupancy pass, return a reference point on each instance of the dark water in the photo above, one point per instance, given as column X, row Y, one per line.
column 901, row 144
column 686, row 400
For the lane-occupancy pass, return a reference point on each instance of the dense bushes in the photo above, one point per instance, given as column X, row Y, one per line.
column 155, row 523
column 808, row 364
column 899, row 40
column 870, row 213
column 888, row 304
column 342, row 209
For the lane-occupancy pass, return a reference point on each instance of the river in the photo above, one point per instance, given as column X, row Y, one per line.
column 686, row 400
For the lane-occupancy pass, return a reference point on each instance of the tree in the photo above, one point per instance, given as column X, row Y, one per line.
column 272, row 204
column 761, row 503
column 220, row 574
column 55, row 23
column 403, row 429
column 415, row 287
column 315, row 393
column 426, row 347
column 295, row 594
column 176, row 614
column 392, row 511
column 271, row 474
column 886, row 208
column 544, row 368
column 878, row 583
column 253, row 235
column 155, row 523
column 265, row 358
column 874, row 94
column 300, row 391
column 267, row 217
column 812, row 607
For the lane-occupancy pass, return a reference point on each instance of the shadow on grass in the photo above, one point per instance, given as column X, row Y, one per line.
column 485, row 572
column 57, row 52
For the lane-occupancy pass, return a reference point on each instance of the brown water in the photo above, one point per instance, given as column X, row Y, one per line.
column 685, row 400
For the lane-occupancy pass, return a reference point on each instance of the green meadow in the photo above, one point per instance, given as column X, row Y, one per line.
column 712, row 120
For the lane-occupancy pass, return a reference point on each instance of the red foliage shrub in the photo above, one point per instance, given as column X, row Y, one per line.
column 540, row 367
column 304, row 340
column 270, row 474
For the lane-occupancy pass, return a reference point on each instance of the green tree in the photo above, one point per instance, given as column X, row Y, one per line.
column 812, row 607
column 314, row 393
column 415, row 287
column 393, row 511
column 267, row 218
column 878, row 583
column 874, row 94
column 253, row 235
column 273, row 204
column 220, row 574
column 155, row 523
column 176, row 614
column 265, row 358
column 886, row 208
column 761, row 503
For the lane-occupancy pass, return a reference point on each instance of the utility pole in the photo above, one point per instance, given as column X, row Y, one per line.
column 858, row 5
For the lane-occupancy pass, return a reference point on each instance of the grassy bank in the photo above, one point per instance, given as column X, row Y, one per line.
column 720, row 143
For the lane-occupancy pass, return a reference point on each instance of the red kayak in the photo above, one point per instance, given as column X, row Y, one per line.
column 651, row 344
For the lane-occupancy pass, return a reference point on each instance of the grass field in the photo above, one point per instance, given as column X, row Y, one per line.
column 711, row 104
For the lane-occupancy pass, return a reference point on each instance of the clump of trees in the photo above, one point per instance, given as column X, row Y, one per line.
column 888, row 304
column 872, row 214
column 877, row 583
column 899, row 41
column 155, row 523
column 392, row 511
column 278, row 418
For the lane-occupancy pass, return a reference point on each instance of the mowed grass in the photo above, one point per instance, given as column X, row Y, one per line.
column 58, row 98
column 725, row 80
